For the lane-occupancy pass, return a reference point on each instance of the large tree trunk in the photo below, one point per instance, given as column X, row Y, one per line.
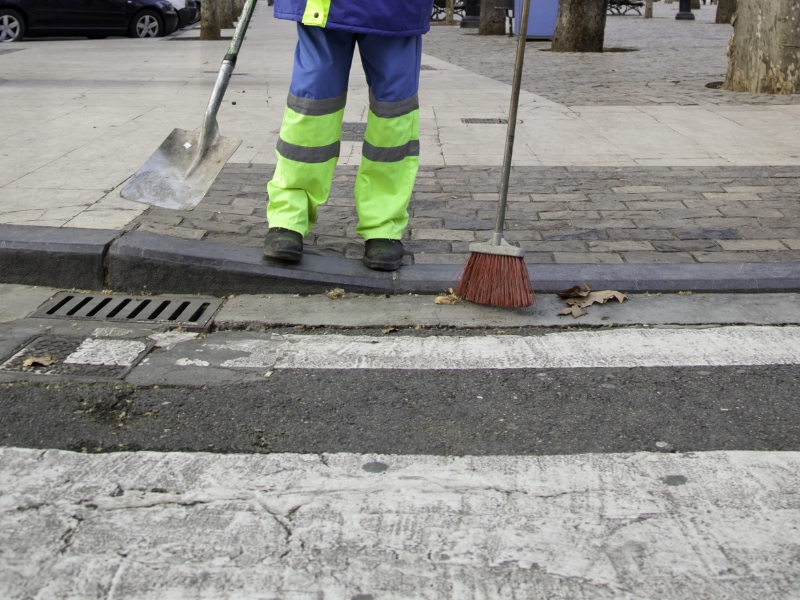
column 581, row 26
column 493, row 20
column 725, row 11
column 226, row 14
column 764, row 51
column 209, row 20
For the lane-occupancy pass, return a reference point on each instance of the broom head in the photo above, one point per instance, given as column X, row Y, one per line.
column 496, row 275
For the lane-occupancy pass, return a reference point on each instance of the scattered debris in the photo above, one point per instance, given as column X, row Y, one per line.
column 335, row 294
column 38, row 361
column 447, row 299
column 388, row 330
column 578, row 299
column 685, row 293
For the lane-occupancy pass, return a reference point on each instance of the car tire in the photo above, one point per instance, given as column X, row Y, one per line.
column 146, row 24
column 12, row 26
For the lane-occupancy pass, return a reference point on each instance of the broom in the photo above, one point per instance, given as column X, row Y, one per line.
column 496, row 273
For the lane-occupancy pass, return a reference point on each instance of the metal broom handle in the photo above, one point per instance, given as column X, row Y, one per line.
column 512, row 122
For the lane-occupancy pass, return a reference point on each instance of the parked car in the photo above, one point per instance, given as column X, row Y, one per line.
column 188, row 12
column 92, row 18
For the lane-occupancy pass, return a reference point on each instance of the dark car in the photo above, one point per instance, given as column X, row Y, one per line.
column 92, row 18
column 188, row 12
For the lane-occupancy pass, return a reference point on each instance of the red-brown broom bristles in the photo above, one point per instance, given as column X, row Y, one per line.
column 496, row 280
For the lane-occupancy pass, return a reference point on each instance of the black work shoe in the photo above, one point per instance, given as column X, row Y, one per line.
column 284, row 244
column 383, row 255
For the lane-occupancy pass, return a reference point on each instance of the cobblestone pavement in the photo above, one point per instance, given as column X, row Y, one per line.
column 655, row 73
column 559, row 215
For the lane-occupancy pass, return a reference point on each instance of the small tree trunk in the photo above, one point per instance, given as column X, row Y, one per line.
column 581, row 26
column 209, row 20
column 764, row 51
column 648, row 9
column 725, row 11
column 493, row 20
column 695, row 4
column 450, row 9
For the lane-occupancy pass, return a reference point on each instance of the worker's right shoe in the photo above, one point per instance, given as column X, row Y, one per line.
column 284, row 244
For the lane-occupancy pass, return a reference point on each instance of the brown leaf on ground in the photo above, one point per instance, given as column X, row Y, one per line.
column 597, row 298
column 577, row 300
column 573, row 292
column 575, row 310
column 447, row 299
column 38, row 361
column 388, row 330
column 335, row 294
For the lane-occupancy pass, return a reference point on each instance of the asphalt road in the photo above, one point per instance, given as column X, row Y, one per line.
column 474, row 412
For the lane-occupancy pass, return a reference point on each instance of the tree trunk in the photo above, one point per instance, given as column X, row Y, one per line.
column 493, row 20
column 695, row 4
column 226, row 14
column 209, row 20
column 648, row 9
column 581, row 26
column 725, row 11
column 764, row 51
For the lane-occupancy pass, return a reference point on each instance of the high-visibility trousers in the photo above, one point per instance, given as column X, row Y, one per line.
column 308, row 148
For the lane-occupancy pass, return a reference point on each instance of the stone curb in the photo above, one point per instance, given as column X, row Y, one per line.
column 134, row 262
column 52, row 256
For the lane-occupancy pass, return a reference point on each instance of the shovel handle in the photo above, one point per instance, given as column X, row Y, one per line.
column 210, row 130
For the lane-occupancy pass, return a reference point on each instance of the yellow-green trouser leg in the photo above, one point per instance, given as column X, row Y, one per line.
column 389, row 164
column 308, row 150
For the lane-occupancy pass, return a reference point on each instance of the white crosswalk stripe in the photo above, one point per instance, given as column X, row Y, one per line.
column 292, row 526
column 724, row 346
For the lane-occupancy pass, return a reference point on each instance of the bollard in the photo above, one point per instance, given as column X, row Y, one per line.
column 685, row 13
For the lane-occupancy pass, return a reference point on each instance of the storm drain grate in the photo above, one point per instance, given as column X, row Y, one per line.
column 353, row 132
column 485, row 121
column 186, row 312
column 78, row 357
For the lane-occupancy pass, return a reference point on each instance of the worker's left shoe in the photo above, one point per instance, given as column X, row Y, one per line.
column 383, row 255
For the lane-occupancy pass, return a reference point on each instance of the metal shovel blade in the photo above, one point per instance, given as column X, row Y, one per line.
column 163, row 181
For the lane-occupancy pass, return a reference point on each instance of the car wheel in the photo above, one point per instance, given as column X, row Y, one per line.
column 12, row 26
column 147, row 24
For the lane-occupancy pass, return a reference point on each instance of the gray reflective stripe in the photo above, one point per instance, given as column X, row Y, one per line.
column 392, row 110
column 318, row 154
column 395, row 154
column 316, row 108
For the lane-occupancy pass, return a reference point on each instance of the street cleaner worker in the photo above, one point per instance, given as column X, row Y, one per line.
column 389, row 38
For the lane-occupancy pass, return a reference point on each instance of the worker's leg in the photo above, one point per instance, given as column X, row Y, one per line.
column 308, row 148
column 390, row 156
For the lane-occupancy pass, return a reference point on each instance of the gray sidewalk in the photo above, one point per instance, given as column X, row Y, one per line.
column 623, row 159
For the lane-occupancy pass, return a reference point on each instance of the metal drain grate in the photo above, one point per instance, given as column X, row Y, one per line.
column 78, row 357
column 187, row 312
column 485, row 121
column 353, row 132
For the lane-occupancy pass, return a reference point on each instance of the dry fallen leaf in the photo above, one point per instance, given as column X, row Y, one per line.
column 335, row 294
column 578, row 299
column 573, row 292
column 597, row 298
column 388, row 330
column 38, row 361
column 575, row 310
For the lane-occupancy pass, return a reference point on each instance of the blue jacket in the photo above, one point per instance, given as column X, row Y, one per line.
column 385, row 17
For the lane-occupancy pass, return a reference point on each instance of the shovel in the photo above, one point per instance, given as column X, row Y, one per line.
column 180, row 172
